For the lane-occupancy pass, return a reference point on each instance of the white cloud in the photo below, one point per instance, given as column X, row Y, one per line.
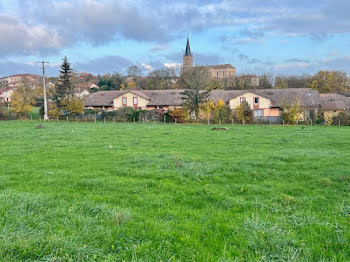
column 172, row 65
column 147, row 67
column 19, row 38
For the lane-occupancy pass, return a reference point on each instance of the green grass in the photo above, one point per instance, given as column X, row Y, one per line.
column 35, row 113
column 114, row 192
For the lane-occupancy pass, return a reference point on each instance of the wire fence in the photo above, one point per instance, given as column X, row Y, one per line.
column 166, row 120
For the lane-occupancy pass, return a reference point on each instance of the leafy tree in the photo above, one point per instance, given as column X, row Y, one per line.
column 3, row 109
column 22, row 100
column 64, row 88
column 329, row 117
column 207, row 109
column 196, row 81
column 343, row 118
column 293, row 81
column 244, row 113
column 73, row 105
column 129, row 85
column 53, row 110
column 220, row 111
column 291, row 113
column 215, row 83
column 110, row 82
column 134, row 71
column 266, row 81
column 180, row 114
column 244, row 82
column 330, row 82
column 161, row 79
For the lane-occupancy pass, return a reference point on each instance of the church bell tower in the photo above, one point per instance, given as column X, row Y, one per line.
column 188, row 58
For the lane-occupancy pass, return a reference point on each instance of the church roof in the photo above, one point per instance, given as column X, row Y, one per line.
column 226, row 66
column 188, row 48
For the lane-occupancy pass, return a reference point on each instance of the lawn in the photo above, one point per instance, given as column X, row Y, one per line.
column 158, row 192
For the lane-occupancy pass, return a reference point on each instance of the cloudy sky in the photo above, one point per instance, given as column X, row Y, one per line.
column 99, row 36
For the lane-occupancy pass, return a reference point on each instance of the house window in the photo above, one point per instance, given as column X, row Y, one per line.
column 242, row 99
column 256, row 100
column 258, row 113
column 124, row 101
column 135, row 101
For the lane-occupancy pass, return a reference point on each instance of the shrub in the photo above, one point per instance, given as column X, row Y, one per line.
column 90, row 112
column 73, row 106
column 343, row 118
column 122, row 115
column 243, row 113
column 291, row 114
column 179, row 114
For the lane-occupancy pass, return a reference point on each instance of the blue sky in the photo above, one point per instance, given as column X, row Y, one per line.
column 100, row 36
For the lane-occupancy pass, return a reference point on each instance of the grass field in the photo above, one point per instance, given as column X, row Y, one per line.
column 114, row 192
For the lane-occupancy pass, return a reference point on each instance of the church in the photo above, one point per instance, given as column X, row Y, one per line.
column 225, row 71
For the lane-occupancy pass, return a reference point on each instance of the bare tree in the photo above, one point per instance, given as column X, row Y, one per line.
column 196, row 83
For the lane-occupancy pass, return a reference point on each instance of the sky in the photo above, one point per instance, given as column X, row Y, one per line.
column 107, row 36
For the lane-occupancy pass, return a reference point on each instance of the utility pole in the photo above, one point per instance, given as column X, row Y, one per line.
column 44, row 87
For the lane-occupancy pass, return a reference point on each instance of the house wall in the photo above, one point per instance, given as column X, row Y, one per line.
column 118, row 102
column 6, row 95
column 272, row 112
column 222, row 73
column 264, row 103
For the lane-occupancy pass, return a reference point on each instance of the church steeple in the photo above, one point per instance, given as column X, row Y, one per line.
column 188, row 59
column 188, row 48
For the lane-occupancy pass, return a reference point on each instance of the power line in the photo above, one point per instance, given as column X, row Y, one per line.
column 44, row 87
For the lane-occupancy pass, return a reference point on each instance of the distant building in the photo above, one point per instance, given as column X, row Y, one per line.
column 6, row 94
column 216, row 71
column 14, row 80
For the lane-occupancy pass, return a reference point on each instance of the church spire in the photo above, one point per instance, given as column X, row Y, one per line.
column 188, row 48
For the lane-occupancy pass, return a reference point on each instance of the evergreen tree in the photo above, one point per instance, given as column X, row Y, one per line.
column 64, row 88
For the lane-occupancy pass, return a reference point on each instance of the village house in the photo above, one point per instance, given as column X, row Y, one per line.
column 332, row 104
column 6, row 94
column 265, row 103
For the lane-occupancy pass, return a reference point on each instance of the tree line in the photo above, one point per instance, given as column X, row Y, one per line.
column 170, row 78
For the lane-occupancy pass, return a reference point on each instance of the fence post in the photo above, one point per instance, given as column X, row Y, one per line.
column 95, row 119
column 143, row 120
column 56, row 118
column 283, row 122
column 232, row 121
column 85, row 118
column 219, row 121
column 40, row 118
column 208, row 122
column 76, row 118
column 134, row 120
column 67, row 119
column 339, row 122
column 311, row 122
column 114, row 120
column 31, row 117
column 164, row 119
column 175, row 120
column 104, row 120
